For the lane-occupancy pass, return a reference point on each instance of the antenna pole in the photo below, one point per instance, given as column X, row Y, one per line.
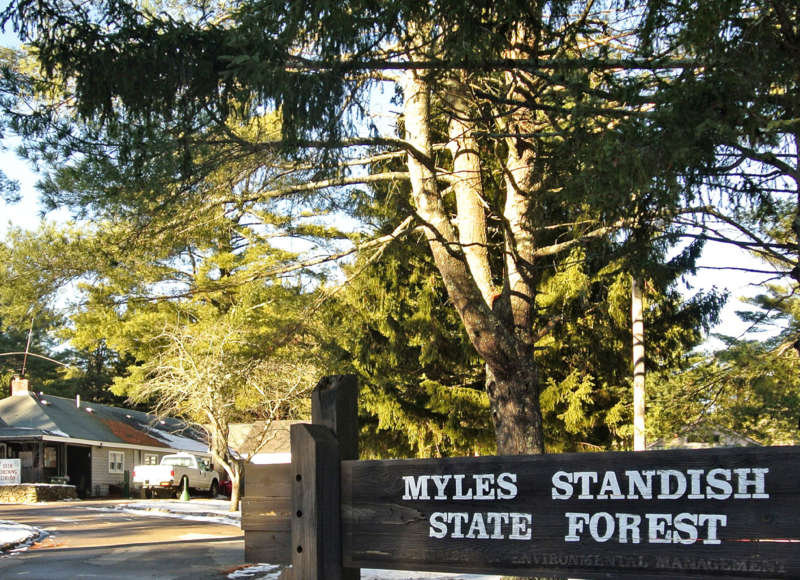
column 27, row 347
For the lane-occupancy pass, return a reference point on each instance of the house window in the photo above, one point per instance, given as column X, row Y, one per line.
column 116, row 461
column 50, row 458
column 150, row 459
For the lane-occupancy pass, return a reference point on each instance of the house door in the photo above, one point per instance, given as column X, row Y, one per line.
column 79, row 469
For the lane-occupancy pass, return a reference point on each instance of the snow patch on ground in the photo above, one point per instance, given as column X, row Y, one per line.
column 257, row 572
column 17, row 536
column 211, row 510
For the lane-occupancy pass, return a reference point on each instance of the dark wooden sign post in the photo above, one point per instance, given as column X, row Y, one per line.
column 732, row 513
column 291, row 513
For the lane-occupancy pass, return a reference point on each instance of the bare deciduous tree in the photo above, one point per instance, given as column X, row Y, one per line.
column 201, row 375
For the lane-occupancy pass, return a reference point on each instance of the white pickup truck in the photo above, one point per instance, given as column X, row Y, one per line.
column 174, row 472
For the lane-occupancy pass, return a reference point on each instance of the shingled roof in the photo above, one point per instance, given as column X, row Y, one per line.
column 30, row 415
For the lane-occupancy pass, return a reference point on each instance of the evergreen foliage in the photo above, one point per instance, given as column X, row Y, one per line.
column 742, row 102
column 552, row 149
column 748, row 386
column 741, row 105
column 422, row 383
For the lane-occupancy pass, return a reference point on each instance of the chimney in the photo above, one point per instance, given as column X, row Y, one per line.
column 19, row 386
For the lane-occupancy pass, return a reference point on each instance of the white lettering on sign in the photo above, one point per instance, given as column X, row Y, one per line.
column 652, row 527
column 480, row 486
column 684, row 528
column 661, row 484
column 10, row 471
column 481, row 525
column 655, row 484
column 475, row 487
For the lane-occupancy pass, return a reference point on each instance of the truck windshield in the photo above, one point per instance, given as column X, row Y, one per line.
column 183, row 461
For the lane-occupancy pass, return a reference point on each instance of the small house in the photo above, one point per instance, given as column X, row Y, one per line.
column 704, row 435
column 89, row 445
column 262, row 443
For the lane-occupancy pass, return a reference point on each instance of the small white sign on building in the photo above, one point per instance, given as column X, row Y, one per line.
column 10, row 471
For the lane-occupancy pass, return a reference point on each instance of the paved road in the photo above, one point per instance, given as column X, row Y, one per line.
column 84, row 543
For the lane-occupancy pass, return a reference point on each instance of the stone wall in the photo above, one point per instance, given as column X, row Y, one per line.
column 36, row 492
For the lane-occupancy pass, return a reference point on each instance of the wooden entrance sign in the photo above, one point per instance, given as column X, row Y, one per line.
column 725, row 512
column 732, row 513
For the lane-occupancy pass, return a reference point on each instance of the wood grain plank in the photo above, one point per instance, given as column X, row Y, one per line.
column 267, row 514
column 271, row 547
column 268, row 480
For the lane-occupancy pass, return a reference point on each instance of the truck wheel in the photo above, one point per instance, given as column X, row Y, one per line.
column 214, row 489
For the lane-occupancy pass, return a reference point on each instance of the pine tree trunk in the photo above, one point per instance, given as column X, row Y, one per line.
column 468, row 188
column 514, row 399
column 514, row 389
column 505, row 345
